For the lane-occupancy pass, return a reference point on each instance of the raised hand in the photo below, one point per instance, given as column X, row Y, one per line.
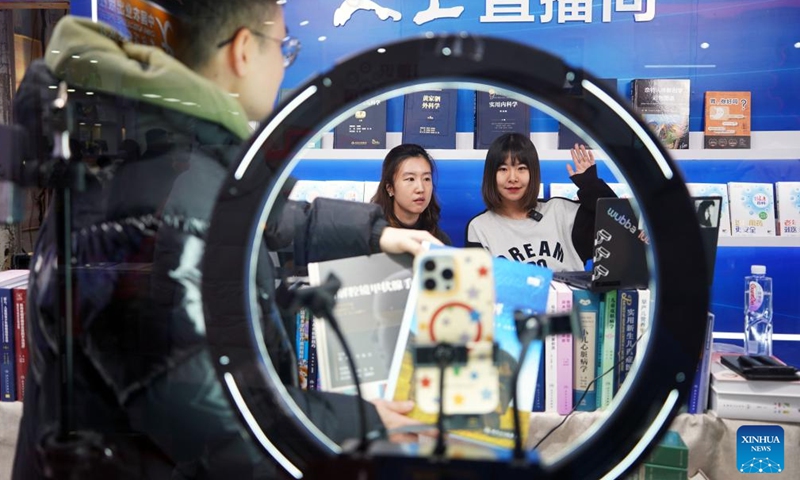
column 583, row 158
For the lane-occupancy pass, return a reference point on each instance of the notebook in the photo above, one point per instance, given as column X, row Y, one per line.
column 619, row 259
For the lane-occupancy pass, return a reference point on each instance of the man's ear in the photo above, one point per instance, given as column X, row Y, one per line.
column 241, row 52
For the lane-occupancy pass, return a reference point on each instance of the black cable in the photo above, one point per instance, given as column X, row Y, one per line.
column 628, row 353
column 321, row 300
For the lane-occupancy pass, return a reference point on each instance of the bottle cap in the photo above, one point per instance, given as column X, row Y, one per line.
column 758, row 269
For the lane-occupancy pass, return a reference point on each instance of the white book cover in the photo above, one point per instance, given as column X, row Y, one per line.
column 370, row 189
column 643, row 319
column 621, row 190
column 787, row 196
column 715, row 190
column 550, row 351
column 752, row 209
column 749, row 407
column 726, row 381
column 564, row 190
column 345, row 190
column 307, row 190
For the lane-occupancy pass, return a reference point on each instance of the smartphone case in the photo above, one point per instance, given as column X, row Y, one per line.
column 456, row 305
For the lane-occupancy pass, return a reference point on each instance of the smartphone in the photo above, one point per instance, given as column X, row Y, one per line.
column 455, row 305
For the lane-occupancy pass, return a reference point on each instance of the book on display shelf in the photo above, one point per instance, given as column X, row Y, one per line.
column 365, row 129
column 497, row 114
column 663, row 103
column 727, row 120
column 429, row 119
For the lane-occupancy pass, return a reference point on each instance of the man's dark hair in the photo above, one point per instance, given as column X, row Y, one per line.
column 203, row 24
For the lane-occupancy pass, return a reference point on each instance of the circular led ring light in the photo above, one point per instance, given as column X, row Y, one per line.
column 661, row 378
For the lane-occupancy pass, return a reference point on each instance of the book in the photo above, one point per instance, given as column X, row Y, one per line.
column 670, row 451
column 20, row 298
column 647, row 471
column 8, row 358
column 663, row 103
column 369, row 307
column 429, row 119
column 715, row 190
column 550, row 350
column 564, row 190
column 302, row 345
column 566, row 137
column 564, row 352
column 726, row 381
column 607, row 385
column 370, row 190
column 584, row 357
column 365, row 129
column 752, row 209
column 497, row 114
column 698, row 396
column 787, row 200
column 755, row 408
column 628, row 316
column 727, row 120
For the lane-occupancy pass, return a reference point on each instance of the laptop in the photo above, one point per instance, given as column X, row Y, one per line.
column 619, row 259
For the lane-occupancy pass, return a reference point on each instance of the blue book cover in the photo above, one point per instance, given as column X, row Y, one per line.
column 496, row 114
column 8, row 357
column 539, row 391
column 601, row 331
column 698, row 397
column 365, row 129
column 585, row 349
column 627, row 311
column 520, row 286
column 429, row 119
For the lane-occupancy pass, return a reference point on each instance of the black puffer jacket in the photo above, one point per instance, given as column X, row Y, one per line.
column 143, row 376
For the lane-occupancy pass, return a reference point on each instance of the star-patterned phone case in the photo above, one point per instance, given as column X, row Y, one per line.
column 456, row 305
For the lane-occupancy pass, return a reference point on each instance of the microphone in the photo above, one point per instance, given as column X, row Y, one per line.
column 535, row 215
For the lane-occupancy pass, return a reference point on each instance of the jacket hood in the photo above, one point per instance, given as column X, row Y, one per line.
column 94, row 56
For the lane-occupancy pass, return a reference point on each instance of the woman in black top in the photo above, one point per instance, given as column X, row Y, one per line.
column 406, row 191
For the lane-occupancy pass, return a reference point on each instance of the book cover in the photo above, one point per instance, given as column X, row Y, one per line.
column 8, row 357
column 369, row 308
column 312, row 382
column 648, row 471
column 671, row 451
column 715, row 190
column 539, row 390
column 550, row 350
column 627, row 311
column 20, row 295
column 307, row 190
column 370, row 190
column 584, row 350
column 496, row 114
column 564, row 190
column 365, row 129
column 787, row 200
column 607, row 383
column 344, row 190
column 564, row 352
column 303, row 334
column 755, row 407
column 752, row 209
column 566, row 137
column 429, row 119
column 698, row 396
column 663, row 103
column 727, row 120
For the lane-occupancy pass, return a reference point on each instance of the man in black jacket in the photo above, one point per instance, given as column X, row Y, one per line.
column 143, row 376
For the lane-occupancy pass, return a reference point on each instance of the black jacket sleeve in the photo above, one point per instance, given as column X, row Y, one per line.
column 327, row 229
column 590, row 189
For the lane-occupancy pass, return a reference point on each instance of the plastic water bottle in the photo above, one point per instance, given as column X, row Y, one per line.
column 758, row 312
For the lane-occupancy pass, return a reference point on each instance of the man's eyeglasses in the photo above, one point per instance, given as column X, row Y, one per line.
column 290, row 46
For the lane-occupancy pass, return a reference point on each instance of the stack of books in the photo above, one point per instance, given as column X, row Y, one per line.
column 669, row 460
column 734, row 397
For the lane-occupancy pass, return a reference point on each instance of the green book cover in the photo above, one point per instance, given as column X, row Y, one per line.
column 670, row 452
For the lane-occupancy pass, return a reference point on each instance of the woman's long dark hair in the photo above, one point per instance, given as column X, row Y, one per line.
column 429, row 218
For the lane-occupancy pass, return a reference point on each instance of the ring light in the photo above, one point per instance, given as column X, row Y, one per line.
column 661, row 377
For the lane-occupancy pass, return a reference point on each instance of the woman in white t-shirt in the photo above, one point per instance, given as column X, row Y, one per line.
column 556, row 233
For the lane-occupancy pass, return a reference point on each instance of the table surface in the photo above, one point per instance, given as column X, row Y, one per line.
column 711, row 440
